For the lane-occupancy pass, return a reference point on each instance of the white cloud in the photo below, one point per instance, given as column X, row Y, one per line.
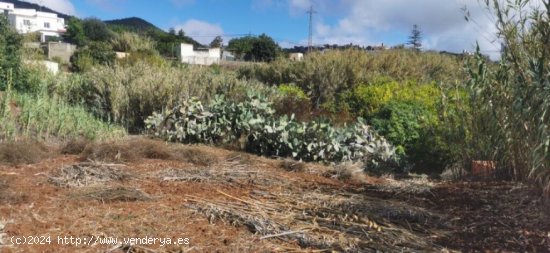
column 442, row 22
column 201, row 31
column 63, row 6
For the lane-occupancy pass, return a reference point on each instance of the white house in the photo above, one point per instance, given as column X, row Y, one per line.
column 296, row 56
column 200, row 56
column 30, row 20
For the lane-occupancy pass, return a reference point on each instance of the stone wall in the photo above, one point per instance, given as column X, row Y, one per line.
column 61, row 50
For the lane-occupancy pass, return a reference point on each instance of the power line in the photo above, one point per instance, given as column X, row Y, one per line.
column 310, row 37
column 223, row 35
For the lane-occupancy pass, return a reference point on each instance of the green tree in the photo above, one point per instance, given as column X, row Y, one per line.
column 75, row 32
column 181, row 33
column 217, row 42
column 264, row 48
column 251, row 48
column 96, row 30
column 415, row 39
column 10, row 54
column 241, row 46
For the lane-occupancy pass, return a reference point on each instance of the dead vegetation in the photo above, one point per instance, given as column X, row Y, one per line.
column 8, row 195
column 317, row 221
column 134, row 149
column 193, row 154
column 22, row 152
column 228, row 172
column 415, row 184
column 241, row 158
column 256, row 203
column 74, row 146
column 346, row 171
column 3, row 235
column 88, row 173
column 108, row 152
column 112, row 194
column 292, row 165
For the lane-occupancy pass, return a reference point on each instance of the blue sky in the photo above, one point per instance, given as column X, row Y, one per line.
column 363, row 22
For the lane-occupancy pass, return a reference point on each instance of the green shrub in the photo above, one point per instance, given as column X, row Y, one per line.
column 367, row 99
column 400, row 122
column 43, row 117
column 132, row 42
column 96, row 30
column 75, row 32
column 325, row 76
column 291, row 100
column 409, row 115
column 293, row 91
column 94, row 53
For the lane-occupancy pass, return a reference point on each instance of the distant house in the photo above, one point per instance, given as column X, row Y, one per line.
column 228, row 56
column 296, row 56
column 31, row 20
column 207, row 56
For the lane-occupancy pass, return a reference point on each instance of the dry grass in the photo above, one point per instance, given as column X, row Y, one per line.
column 134, row 149
column 85, row 174
column 108, row 152
column 74, row 146
column 240, row 157
column 346, row 171
column 8, row 196
column 229, row 172
column 316, row 220
column 128, row 150
column 453, row 172
column 194, row 155
column 291, row 165
column 416, row 184
column 112, row 194
column 22, row 152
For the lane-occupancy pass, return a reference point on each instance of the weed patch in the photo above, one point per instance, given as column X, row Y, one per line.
column 22, row 152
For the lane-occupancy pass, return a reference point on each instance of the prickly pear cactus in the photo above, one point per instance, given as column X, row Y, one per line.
column 225, row 121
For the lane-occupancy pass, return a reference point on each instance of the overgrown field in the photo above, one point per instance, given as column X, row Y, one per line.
column 322, row 129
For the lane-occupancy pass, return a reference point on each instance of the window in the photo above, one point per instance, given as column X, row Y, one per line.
column 46, row 25
column 26, row 22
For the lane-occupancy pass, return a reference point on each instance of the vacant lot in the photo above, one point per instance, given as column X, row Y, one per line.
column 225, row 201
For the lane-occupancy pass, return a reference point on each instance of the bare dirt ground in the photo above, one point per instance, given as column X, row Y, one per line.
column 225, row 201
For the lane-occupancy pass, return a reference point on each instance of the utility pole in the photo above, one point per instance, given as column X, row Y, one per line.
column 310, row 38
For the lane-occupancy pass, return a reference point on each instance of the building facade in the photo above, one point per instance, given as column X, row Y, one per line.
column 30, row 20
column 199, row 57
